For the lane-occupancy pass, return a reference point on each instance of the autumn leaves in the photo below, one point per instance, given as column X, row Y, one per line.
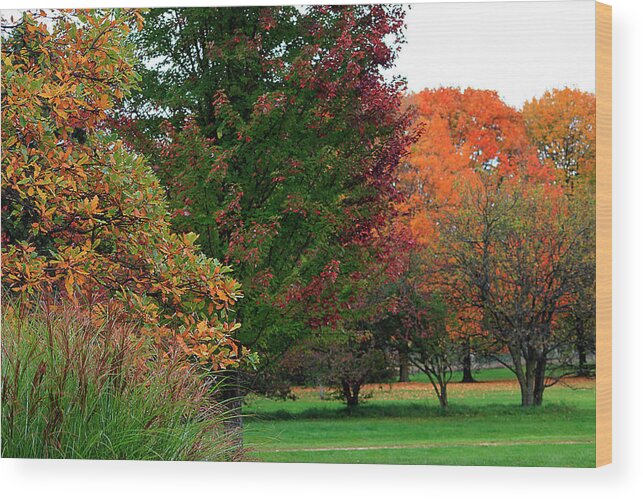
column 272, row 134
column 500, row 206
column 86, row 220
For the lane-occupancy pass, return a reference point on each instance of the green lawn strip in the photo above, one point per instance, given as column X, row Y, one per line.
column 413, row 431
column 488, row 426
column 489, row 374
column 554, row 455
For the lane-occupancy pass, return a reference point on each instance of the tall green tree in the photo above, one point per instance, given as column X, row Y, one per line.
column 278, row 139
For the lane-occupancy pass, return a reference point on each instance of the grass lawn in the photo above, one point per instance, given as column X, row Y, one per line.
column 492, row 374
column 402, row 424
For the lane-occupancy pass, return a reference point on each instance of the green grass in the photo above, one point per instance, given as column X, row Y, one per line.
column 71, row 391
column 542, row 455
column 484, row 426
column 493, row 374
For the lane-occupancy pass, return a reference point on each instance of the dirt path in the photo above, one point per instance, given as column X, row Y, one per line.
column 438, row 445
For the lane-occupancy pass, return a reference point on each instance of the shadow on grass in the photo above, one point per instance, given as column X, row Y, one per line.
column 415, row 410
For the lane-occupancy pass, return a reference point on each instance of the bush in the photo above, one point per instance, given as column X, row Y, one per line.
column 72, row 389
column 343, row 359
column 82, row 215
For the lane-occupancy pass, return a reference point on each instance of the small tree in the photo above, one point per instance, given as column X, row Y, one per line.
column 436, row 349
column 353, row 361
column 427, row 334
column 519, row 251
column 342, row 359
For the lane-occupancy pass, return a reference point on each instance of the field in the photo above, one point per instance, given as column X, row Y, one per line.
column 401, row 423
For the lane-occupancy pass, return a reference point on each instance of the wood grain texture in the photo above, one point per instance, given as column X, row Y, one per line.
column 603, row 234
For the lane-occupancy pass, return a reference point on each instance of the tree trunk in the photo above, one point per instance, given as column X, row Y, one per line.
column 524, row 374
column 439, row 384
column 528, row 383
column 444, row 403
column 539, row 383
column 404, row 367
column 532, row 383
column 582, row 361
column 351, row 393
column 231, row 396
column 467, row 372
column 581, row 349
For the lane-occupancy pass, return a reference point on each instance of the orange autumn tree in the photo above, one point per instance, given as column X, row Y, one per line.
column 84, row 219
column 465, row 133
column 562, row 126
column 499, row 235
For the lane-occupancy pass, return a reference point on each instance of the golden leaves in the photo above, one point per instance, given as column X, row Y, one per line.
column 99, row 208
column 138, row 16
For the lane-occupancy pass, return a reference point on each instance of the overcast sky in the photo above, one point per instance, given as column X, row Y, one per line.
column 519, row 49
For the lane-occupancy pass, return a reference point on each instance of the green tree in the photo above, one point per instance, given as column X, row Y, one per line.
column 342, row 359
column 278, row 139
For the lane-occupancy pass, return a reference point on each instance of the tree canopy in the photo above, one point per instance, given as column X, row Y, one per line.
column 84, row 218
column 278, row 139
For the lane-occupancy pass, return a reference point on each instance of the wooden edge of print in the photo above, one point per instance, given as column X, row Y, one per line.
column 603, row 234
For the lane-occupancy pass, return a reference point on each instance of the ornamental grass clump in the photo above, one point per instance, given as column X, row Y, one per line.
column 74, row 388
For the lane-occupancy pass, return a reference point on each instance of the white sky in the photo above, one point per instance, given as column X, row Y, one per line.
column 519, row 49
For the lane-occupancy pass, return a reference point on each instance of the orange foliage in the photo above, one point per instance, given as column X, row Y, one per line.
column 465, row 134
column 474, row 153
column 82, row 216
column 562, row 125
